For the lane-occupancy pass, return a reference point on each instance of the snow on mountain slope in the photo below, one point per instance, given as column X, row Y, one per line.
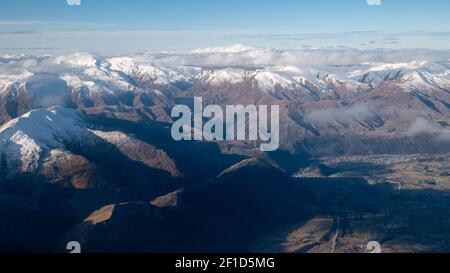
column 12, row 76
column 223, row 76
column 23, row 141
column 427, row 78
column 396, row 66
column 76, row 83
column 5, row 85
column 33, row 139
column 291, row 77
column 269, row 81
column 45, row 126
column 143, row 70
column 413, row 75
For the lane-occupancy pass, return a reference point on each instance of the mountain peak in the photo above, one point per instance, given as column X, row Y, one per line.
column 248, row 164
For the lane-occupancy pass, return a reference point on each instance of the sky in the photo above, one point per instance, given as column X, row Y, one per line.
column 119, row 26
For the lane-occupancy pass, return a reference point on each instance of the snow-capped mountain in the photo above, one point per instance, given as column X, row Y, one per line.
column 57, row 143
column 96, row 74
column 319, row 98
column 25, row 139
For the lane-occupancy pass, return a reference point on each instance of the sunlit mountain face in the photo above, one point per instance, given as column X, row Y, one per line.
column 88, row 153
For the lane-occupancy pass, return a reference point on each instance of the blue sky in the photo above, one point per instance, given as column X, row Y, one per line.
column 157, row 25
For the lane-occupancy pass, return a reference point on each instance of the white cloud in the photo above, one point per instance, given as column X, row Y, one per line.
column 252, row 57
column 374, row 2
column 74, row 2
column 237, row 56
column 424, row 126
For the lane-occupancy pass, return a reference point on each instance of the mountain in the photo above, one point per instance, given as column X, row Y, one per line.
column 224, row 214
column 45, row 140
column 358, row 102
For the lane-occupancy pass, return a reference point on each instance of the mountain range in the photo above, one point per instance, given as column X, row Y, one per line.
column 86, row 152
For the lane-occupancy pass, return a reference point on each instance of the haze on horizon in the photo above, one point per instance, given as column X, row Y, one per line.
column 116, row 26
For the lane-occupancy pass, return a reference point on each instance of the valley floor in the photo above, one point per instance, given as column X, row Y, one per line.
column 400, row 201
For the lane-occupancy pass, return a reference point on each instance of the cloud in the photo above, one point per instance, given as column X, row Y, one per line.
column 424, row 126
column 374, row 2
column 75, row 36
column 242, row 56
column 257, row 57
column 20, row 32
column 74, row 2
column 344, row 114
column 28, row 48
column 307, row 61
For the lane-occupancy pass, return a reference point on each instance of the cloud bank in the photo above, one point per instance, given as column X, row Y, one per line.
column 374, row 2
column 244, row 56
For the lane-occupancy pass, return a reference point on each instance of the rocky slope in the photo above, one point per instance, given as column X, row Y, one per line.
column 223, row 214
